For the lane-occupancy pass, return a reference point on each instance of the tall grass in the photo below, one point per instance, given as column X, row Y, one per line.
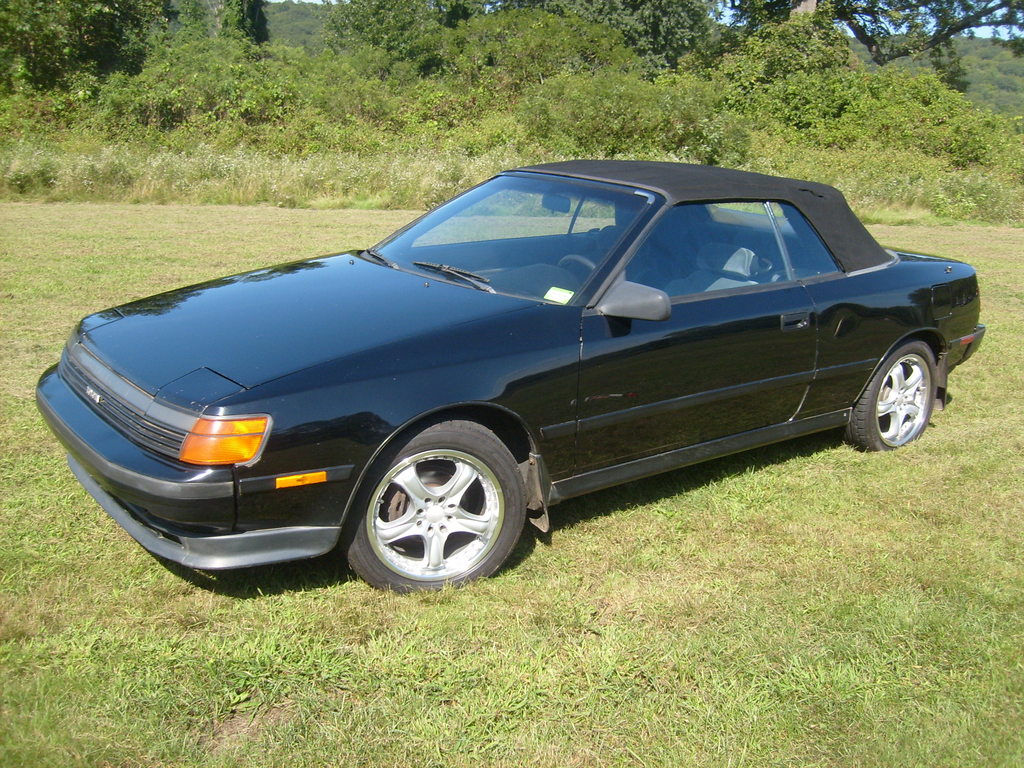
column 875, row 182
column 879, row 182
column 126, row 173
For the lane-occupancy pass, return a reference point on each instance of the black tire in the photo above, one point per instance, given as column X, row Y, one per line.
column 445, row 506
column 895, row 407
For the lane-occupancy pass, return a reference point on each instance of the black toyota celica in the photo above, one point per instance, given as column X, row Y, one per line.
column 555, row 330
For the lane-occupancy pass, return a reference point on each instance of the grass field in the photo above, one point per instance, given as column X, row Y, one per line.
column 803, row 604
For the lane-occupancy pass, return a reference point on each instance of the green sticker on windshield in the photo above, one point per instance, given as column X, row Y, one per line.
column 558, row 295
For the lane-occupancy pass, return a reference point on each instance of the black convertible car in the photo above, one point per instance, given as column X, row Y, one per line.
column 555, row 330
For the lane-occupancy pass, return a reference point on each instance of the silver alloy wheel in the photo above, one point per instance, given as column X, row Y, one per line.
column 435, row 515
column 902, row 405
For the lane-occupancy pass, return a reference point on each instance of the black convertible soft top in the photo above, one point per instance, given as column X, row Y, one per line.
column 824, row 206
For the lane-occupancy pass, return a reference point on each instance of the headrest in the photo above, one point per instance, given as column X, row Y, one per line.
column 723, row 257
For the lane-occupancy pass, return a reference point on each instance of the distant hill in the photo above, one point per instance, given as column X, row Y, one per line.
column 996, row 76
column 295, row 23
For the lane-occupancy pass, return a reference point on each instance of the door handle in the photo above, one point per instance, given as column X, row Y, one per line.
column 795, row 321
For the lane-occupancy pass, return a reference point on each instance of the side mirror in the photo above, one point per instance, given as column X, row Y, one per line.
column 636, row 302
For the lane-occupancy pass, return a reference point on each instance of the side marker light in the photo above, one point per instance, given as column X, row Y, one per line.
column 307, row 478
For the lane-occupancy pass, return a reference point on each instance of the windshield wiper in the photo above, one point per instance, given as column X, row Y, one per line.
column 477, row 281
column 377, row 256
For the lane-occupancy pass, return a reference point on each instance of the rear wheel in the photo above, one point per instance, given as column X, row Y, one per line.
column 896, row 406
column 444, row 507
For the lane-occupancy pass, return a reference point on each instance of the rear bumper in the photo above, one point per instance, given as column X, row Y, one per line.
column 182, row 513
column 961, row 349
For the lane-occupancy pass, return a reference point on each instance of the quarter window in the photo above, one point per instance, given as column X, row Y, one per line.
column 808, row 255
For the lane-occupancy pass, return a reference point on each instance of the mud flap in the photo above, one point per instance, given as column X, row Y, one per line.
column 535, row 477
column 941, row 383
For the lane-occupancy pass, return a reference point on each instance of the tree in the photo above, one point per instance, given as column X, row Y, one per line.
column 810, row 44
column 45, row 42
column 512, row 49
column 194, row 18
column 891, row 29
column 396, row 26
column 245, row 17
column 659, row 30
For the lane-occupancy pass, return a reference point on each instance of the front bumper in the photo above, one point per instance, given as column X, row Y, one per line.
column 178, row 512
column 234, row 550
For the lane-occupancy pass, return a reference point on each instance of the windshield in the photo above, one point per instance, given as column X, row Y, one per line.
column 537, row 237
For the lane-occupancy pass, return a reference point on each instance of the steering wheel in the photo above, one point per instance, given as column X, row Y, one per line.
column 766, row 272
column 579, row 265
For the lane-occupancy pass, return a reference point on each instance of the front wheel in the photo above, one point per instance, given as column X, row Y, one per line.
column 897, row 403
column 444, row 507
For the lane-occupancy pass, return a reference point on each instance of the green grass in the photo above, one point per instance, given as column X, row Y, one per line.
column 803, row 604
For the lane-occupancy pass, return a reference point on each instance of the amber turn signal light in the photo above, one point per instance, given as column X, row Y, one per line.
column 225, row 441
column 306, row 478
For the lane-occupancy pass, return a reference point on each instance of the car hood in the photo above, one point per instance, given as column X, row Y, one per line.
column 258, row 326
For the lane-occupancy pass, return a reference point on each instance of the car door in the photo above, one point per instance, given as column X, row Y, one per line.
column 737, row 353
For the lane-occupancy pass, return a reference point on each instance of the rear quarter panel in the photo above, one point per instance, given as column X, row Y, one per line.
column 862, row 316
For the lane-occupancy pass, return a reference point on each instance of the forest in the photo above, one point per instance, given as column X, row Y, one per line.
column 399, row 103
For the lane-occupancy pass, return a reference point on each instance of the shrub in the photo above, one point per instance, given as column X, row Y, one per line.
column 891, row 108
column 808, row 43
column 509, row 51
column 920, row 111
column 220, row 78
column 616, row 114
column 799, row 76
column 222, row 120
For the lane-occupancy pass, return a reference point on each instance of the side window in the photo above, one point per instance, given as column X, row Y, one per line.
column 808, row 255
column 703, row 247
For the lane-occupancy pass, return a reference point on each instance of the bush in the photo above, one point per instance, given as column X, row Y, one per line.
column 509, row 51
column 921, row 112
column 616, row 114
column 799, row 76
column 808, row 43
column 198, row 79
column 892, row 108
